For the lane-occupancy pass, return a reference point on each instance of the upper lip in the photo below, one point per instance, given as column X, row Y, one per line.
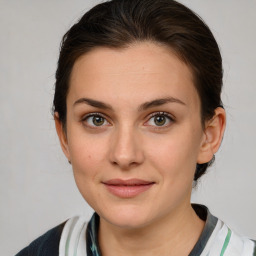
column 129, row 182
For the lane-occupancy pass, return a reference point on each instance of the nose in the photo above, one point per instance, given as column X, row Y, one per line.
column 126, row 148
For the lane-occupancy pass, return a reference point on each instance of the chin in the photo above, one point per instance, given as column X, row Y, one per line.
column 130, row 217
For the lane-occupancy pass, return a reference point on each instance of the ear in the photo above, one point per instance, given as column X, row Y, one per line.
column 62, row 135
column 213, row 134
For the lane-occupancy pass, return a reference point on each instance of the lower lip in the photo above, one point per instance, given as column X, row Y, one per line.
column 128, row 191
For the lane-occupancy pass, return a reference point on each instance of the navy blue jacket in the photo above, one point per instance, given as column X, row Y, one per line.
column 45, row 245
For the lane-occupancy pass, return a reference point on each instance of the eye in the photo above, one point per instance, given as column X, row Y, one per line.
column 95, row 120
column 160, row 119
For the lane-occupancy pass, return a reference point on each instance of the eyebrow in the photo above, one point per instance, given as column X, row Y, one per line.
column 160, row 102
column 144, row 106
column 93, row 103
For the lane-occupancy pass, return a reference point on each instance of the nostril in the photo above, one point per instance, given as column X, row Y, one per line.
column 125, row 165
column 114, row 163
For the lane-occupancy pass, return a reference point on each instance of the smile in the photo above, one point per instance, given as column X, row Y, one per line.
column 127, row 188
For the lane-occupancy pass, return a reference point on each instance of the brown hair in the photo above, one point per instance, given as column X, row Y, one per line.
column 120, row 23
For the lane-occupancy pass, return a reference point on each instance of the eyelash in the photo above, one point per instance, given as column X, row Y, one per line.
column 86, row 117
column 163, row 114
column 84, row 120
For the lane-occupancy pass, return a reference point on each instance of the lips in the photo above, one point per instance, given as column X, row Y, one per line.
column 127, row 188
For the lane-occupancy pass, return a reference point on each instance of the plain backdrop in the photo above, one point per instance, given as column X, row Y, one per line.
column 37, row 189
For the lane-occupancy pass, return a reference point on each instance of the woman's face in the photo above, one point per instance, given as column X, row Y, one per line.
column 134, row 133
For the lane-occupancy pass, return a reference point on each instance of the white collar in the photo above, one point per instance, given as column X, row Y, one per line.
column 73, row 237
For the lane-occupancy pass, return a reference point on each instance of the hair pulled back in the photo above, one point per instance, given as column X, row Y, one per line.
column 120, row 23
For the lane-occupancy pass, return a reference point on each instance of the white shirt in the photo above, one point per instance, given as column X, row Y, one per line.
column 216, row 239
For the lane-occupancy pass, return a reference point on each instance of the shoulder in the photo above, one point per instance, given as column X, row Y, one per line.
column 227, row 242
column 218, row 239
column 45, row 245
column 70, row 234
column 236, row 244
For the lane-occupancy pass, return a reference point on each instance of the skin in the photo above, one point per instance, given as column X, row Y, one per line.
column 128, row 143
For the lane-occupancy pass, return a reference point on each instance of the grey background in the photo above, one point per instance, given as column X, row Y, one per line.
column 37, row 190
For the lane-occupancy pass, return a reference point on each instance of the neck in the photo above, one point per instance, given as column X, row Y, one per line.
column 175, row 234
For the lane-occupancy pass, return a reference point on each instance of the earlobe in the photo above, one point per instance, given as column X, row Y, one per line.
column 213, row 134
column 62, row 135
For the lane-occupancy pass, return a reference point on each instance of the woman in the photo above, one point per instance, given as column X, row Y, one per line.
column 139, row 116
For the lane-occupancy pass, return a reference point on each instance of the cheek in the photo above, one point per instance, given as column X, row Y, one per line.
column 87, row 159
column 175, row 155
column 87, row 156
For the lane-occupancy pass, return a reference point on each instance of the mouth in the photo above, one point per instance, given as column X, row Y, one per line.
column 127, row 188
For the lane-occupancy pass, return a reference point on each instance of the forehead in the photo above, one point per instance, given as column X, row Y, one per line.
column 140, row 71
